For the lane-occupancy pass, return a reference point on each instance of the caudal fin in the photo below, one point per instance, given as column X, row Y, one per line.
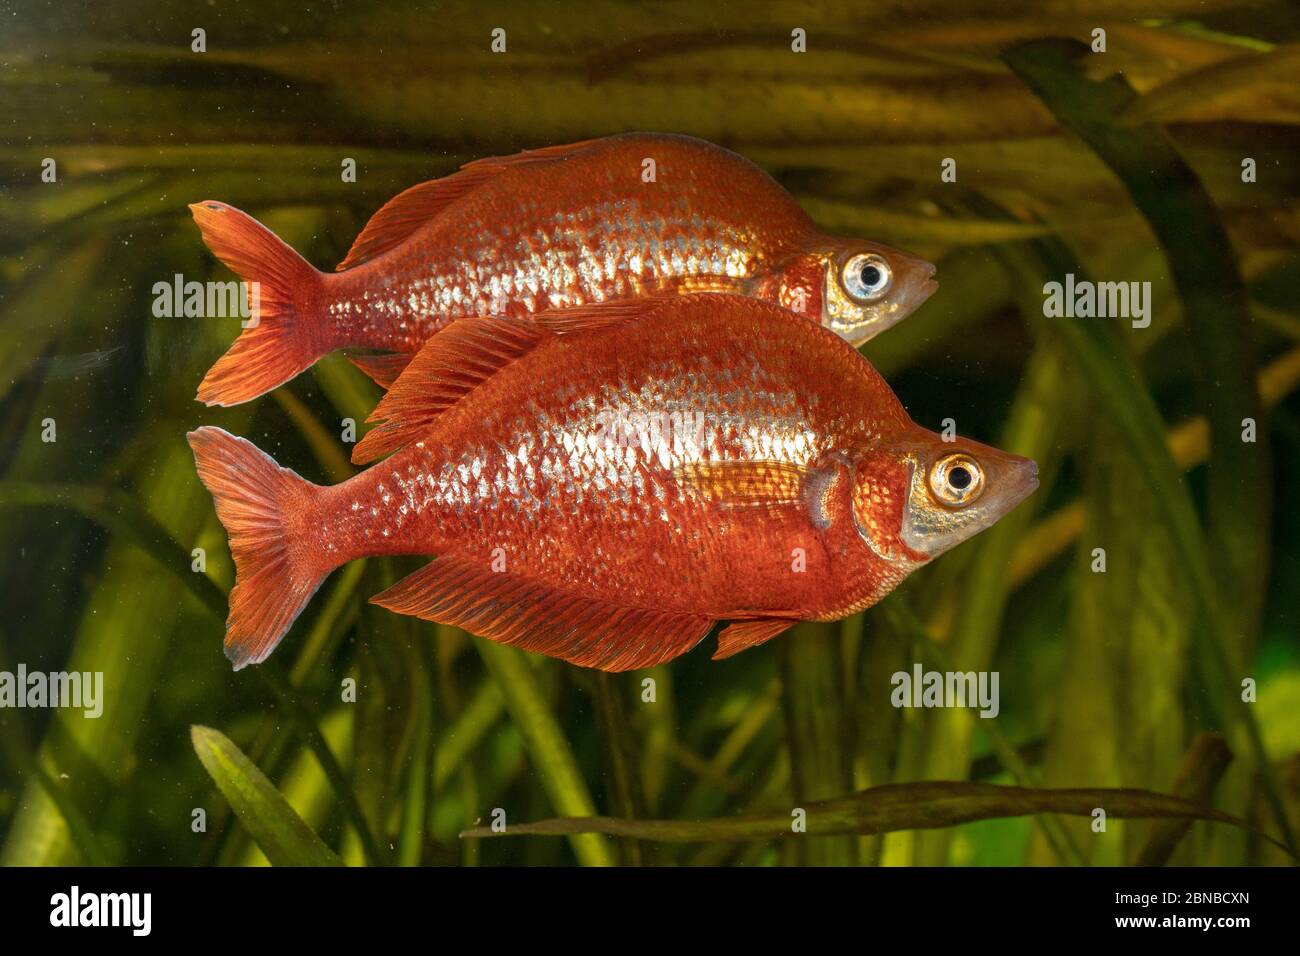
column 281, row 339
column 262, row 507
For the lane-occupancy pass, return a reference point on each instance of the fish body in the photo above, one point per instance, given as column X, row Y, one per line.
column 543, row 230
column 612, row 480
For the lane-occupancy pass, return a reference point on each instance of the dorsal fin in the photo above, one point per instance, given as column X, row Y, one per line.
column 452, row 363
column 736, row 637
column 513, row 609
column 412, row 208
column 467, row 352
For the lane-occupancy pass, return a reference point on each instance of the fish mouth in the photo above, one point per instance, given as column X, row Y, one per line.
column 929, row 286
column 922, row 285
column 1023, row 483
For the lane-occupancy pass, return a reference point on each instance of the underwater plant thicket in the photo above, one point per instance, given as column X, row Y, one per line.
column 1122, row 165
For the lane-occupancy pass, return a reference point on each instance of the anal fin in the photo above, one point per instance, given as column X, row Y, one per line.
column 526, row 613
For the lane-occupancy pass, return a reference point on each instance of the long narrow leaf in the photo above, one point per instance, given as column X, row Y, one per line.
column 907, row 806
column 279, row 831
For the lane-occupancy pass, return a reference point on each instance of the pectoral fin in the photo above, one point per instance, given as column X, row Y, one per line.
column 744, row 483
column 764, row 484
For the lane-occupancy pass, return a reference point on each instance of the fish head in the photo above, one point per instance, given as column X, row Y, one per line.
column 855, row 288
column 917, row 498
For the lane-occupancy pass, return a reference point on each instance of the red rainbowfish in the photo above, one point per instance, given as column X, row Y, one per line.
column 548, row 229
column 605, row 483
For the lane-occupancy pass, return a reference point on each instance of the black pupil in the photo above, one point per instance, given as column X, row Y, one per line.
column 959, row 478
column 870, row 276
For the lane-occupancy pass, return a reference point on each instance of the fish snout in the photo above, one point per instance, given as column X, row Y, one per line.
column 930, row 285
column 1021, row 480
column 922, row 281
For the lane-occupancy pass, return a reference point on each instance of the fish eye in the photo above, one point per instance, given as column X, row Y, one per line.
column 956, row 480
column 866, row 276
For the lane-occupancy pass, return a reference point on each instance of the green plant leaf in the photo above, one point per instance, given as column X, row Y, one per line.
column 903, row 806
column 279, row 831
column 816, row 729
column 547, row 745
column 1230, row 562
column 1216, row 310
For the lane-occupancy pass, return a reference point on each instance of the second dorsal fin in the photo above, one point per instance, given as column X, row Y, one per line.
column 464, row 354
column 412, row 208
column 452, row 363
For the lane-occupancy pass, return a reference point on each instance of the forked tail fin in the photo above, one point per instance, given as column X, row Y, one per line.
column 262, row 507
column 282, row 339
